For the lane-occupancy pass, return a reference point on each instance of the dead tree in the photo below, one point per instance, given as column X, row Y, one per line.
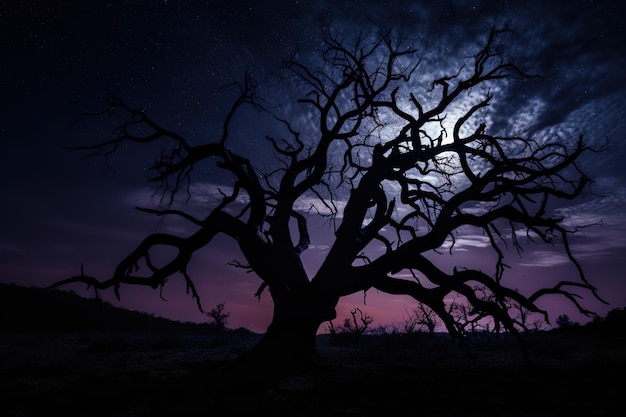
column 218, row 318
column 390, row 166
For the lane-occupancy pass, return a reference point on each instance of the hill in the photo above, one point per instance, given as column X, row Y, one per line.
column 28, row 309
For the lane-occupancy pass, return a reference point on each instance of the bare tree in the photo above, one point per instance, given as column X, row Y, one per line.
column 425, row 317
column 219, row 317
column 391, row 167
column 352, row 329
column 419, row 319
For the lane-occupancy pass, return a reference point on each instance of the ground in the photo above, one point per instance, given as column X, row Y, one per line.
column 131, row 374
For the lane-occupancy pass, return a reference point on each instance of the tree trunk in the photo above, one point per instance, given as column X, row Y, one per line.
column 287, row 344
column 290, row 340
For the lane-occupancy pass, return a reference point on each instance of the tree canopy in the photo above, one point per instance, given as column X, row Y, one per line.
column 398, row 171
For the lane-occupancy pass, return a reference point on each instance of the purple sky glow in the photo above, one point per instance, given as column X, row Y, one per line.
column 62, row 209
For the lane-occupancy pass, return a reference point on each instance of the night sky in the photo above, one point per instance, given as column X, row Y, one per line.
column 62, row 208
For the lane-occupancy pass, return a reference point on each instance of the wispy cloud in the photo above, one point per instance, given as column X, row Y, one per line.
column 313, row 205
column 543, row 259
column 467, row 242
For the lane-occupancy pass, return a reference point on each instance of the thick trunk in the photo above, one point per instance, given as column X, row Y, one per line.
column 290, row 340
column 287, row 344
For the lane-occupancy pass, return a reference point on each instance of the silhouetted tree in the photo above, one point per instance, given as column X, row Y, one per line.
column 615, row 321
column 564, row 322
column 353, row 327
column 425, row 317
column 420, row 319
column 389, row 166
column 219, row 317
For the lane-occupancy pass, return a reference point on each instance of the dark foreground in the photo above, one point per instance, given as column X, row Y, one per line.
column 109, row 374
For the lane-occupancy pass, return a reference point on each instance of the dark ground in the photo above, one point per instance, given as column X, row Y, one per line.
column 131, row 374
column 61, row 354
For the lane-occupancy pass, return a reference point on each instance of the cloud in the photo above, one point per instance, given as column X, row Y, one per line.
column 600, row 225
column 313, row 205
column 543, row 259
column 323, row 248
column 602, row 241
column 204, row 196
column 466, row 242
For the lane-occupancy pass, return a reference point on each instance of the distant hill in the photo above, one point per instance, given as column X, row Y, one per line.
column 42, row 309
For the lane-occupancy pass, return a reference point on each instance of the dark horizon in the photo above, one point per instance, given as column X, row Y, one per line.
column 36, row 309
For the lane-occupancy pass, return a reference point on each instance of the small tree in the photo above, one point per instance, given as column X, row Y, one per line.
column 353, row 327
column 420, row 319
column 426, row 318
column 357, row 326
column 528, row 321
column 564, row 322
column 615, row 321
column 218, row 317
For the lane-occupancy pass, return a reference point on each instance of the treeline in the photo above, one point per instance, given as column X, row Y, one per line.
column 27, row 309
column 614, row 323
